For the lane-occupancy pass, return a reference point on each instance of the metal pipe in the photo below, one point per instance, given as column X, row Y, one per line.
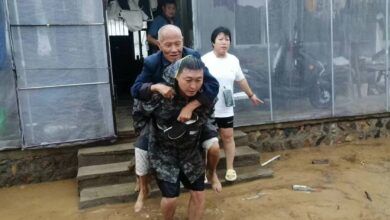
column 62, row 86
column 48, row 25
column 269, row 63
column 387, row 55
column 331, row 53
column 270, row 160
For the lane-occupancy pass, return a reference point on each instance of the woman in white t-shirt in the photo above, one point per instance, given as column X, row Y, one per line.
column 225, row 67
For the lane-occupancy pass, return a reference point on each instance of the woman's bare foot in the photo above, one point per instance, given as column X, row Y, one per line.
column 215, row 183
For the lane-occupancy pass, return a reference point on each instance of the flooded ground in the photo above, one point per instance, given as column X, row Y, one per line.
column 355, row 184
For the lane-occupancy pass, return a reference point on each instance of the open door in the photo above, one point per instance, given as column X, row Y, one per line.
column 129, row 48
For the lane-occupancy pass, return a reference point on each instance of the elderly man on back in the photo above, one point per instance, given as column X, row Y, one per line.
column 150, row 80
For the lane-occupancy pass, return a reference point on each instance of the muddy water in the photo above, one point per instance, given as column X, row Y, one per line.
column 352, row 170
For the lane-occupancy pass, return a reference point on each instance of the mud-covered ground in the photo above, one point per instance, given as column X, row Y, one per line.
column 355, row 184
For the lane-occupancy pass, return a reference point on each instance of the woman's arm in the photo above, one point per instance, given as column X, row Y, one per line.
column 246, row 88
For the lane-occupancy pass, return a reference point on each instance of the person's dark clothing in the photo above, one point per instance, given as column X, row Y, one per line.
column 170, row 156
column 152, row 72
column 172, row 190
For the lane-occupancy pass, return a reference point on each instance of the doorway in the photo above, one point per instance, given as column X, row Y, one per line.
column 127, row 52
column 126, row 62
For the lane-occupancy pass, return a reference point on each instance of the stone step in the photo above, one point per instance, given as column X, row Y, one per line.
column 105, row 174
column 124, row 135
column 121, row 172
column 240, row 138
column 110, row 194
column 120, row 193
column 245, row 156
column 105, row 154
column 122, row 151
column 246, row 174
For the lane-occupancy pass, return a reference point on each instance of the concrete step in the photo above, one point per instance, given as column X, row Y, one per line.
column 122, row 151
column 124, row 135
column 121, row 172
column 246, row 174
column 120, row 193
column 106, row 174
column 245, row 156
column 240, row 138
column 110, row 194
column 105, row 154
column 127, row 136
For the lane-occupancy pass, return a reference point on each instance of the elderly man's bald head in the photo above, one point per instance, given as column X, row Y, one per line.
column 170, row 42
column 168, row 30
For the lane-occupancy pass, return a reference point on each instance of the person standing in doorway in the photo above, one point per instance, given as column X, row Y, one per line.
column 168, row 16
column 225, row 67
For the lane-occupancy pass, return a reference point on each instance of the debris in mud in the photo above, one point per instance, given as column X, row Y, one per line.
column 368, row 196
column 350, row 158
column 258, row 195
column 320, row 161
column 270, row 160
column 304, row 188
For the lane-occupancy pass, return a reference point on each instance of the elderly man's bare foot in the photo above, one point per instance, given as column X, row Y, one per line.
column 139, row 204
column 215, row 183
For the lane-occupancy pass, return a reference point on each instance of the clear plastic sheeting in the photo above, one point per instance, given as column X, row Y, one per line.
column 359, row 39
column 9, row 119
column 29, row 12
column 60, row 77
column 39, row 47
column 300, row 53
column 62, row 70
column 59, row 115
column 306, row 59
column 247, row 23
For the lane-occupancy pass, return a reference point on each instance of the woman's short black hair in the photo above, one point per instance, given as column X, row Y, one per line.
column 219, row 30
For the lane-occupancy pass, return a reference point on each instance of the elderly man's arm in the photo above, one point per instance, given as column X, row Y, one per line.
column 144, row 84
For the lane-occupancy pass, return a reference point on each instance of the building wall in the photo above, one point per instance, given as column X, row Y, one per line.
column 33, row 166
column 294, row 135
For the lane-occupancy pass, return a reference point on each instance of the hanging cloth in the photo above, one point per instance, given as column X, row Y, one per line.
column 113, row 10
column 153, row 5
column 134, row 17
